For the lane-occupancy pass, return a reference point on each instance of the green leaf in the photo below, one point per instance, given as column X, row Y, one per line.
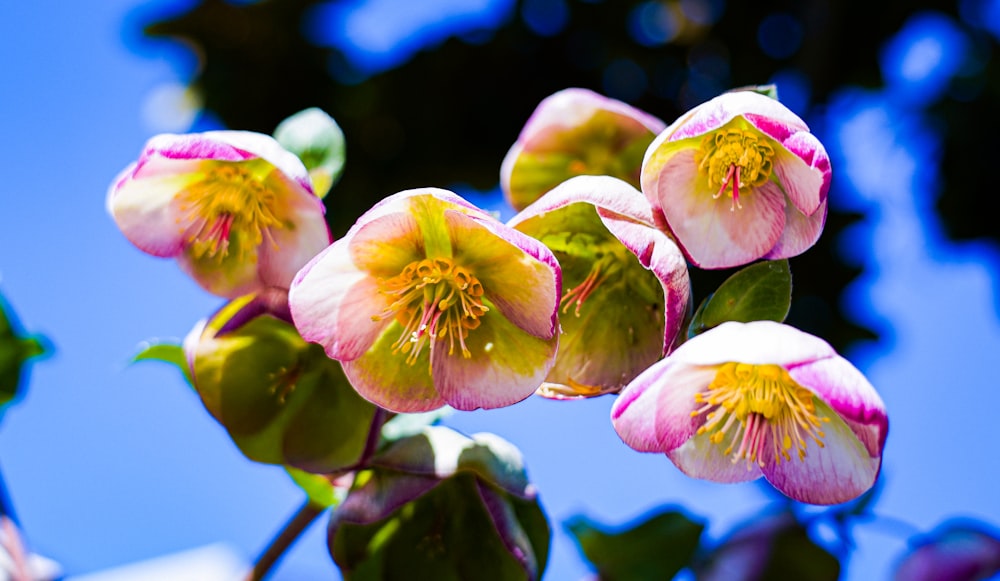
column 317, row 487
column 766, row 90
column 404, row 425
column 166, row 352
column 319, row 142
column 15, row 351
column 795, row 556
column 759, row 292
column 656, row 548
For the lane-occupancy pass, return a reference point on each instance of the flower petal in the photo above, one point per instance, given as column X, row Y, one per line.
column 383, row 376
column 766, row 114
column 229, row 277
column 840, row 471
column 801, row 232
column 758, row 342
column 848, row 392
column 653, row 413
column 803, row 169
column 146, row 212
column 711, row 232
column 507, row 365
column 332, row 303
column 700, row 458
column 288, row 249
column 519, row 274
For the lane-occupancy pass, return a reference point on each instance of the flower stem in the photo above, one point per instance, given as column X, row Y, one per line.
column 295, row 526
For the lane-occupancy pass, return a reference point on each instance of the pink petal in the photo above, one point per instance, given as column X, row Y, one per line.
column 384, row 377
column 332, row 303
column 519, row 274
column 700, row 458
column 653, row 413
column 712, row 234
column 146, row 212
column 757, row 343
column 850, row 395
column 386, row 245
column 765, row 113
column 287, row 250
column 803, row 170
column 604, row 192
column 839, row 472
column 506, row 366
column 800, row 233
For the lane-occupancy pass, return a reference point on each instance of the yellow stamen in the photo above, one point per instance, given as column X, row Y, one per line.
column 608, row 266
column 230, row 206
column 764, row 413
column 737, row 158
column 435, row 299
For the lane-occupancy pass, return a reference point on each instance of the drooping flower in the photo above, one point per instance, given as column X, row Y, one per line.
column 429, row 301
column 959, row 550
column 749, row 399
column 236, row 209
column 576, row 132
column 627, row 283
column 738, row 178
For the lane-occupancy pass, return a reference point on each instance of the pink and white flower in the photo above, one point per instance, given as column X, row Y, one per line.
column 749, row 399
column 429, row 301
column 737, row 179
column 235, row 208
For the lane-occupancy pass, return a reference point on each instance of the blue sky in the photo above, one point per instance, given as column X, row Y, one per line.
column 109, row 463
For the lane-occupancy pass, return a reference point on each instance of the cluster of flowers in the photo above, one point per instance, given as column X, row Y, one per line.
column 430, row 301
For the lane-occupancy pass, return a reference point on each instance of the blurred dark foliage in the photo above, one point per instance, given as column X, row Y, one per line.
column 449, row 114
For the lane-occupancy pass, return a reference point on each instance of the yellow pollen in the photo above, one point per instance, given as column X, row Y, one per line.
column 736, row 158
column 759, row 413
column 433, row 299
column 229, row 207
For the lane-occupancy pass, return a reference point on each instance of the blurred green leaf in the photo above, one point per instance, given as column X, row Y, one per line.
column 171, row 353
column 795, row 556
column 319, row 142
column 656, row 548
column 15, row 351
column 759, row 292
column 404, row 425
column 318, row 487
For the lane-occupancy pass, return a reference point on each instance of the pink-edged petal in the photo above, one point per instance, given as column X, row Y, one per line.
column 801, row 232
column 386, row 245
column 757, row 343
column 653, row 413
column 604, row 192
column 267, row 148
column 146, row 211
column 840, row 471
column 765, row 113
column 848, row 392
column 286, row 250
column 519, row 274
column 332, row 303
column 386, row 379
column 700, row 458
column 802, row 167
column 507, row 365
column 710, row 231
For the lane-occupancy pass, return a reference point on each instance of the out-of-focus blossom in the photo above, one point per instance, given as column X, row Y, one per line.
column 957, row 551
column 738, row 178
column 749, row 399
column 628, row 286
column 429, row 301
column 281, row 399
column 235, row 208
column 576, row 132
column 441, row 505
column 16, row 563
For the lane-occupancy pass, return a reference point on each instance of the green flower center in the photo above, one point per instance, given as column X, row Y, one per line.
column 734, row 159
column 756, row 407
column 230, row 207
column 434, row 300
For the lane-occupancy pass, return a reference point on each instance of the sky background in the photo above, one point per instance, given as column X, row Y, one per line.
column 108, row 463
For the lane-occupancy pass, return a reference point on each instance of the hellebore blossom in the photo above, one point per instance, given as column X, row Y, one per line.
column 738, row 178
column 956, row 551
column 628, row 285
column 235, row 208
column 429, row 301
column 576, row 132
column 749, row 399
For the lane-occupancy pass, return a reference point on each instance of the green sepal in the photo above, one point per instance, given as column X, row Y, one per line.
column 658, row 547
column 171, row 353
column 15, row 351
column 319, row 142
column 759, row 292
column 318, row 487
column 405, row 425
column 766, row 90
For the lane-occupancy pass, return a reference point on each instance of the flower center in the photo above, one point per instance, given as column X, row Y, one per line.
column 759, row 409
column 231, row 206
column 434, row 300
column 737, row 158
